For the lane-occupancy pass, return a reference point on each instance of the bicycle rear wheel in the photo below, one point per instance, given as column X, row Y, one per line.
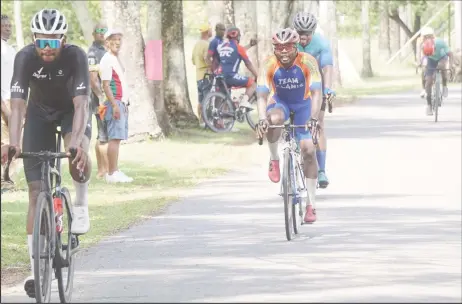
column 218, row 112
column 42, row 248
column 289, row 207
column 65, row 273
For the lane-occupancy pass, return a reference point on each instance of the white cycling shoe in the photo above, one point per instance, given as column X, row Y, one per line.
column 81, row 220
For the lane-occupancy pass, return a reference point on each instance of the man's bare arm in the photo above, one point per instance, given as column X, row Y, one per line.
column 108, row 92
column 328, row 73
column 79, row 123
column 316, row 97
column 95, row 84
column 262, row 99
column 251, row 68
column 18, row 110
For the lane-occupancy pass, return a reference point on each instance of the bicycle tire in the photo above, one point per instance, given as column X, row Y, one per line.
column 288, row 205
column 300, row 203
column 65, row 291
column 437, row 95
column 205, row 113
column 43, row 293
column 248, row 116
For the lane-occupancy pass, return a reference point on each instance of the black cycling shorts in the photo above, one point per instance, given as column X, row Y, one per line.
column 40, row 135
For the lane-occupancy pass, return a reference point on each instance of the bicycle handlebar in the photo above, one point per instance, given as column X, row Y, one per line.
column 43, row 155
column 288, row 126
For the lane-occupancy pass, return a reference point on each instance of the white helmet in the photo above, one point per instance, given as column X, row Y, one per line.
column 305, row 22
column 48, row 21
column 427, row 31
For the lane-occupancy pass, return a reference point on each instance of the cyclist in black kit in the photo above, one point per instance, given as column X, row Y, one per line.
column 57, row 76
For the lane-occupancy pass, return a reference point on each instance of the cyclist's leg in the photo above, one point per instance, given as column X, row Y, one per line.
column 39, row 135
column 308, row 150
column 241, row 81
column 321, row 149
column 429, row 74
column 277, row 112
column 101, row 147
column 443, row 64
column 424, row 65
column 81, row 221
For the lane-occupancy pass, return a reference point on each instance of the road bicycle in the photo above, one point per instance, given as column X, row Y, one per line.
column 54, row 245
column 220, row 111
column 293, row 178
column 437, row 91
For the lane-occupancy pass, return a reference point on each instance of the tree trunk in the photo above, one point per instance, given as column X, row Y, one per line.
column 384, row 30
column 84, row 18
column 458, row 23
column 264, row 32
column 331, row 29
column 229, row 13
column 246, row 21
column 215, row 11
column 367, row 68
column 176, row 94
column 18, row 25
column 154, row 32
column 142, row 119
column 280, row 13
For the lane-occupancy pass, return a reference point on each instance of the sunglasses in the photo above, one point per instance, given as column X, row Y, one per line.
column 100, row 30
column 42, row 43
column 286, row 47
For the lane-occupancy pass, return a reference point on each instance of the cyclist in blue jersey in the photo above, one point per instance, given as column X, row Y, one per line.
column 231, row 54
column 293, row 82
column 314, row 44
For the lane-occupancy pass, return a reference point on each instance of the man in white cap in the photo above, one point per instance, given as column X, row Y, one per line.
column 114, row 111
column 199, row 59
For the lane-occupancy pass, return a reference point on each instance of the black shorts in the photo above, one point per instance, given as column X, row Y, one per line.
column 40, row 134
column 102, row 135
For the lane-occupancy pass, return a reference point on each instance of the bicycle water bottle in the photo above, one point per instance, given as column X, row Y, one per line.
column 58, row 206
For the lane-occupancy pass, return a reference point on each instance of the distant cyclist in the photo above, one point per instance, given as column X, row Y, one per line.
column 231, row 54
column 317, row 46
column 438, row 56
column 57, row 78
column 292, row 82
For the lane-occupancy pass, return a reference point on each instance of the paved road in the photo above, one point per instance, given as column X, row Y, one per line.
column 389, row 226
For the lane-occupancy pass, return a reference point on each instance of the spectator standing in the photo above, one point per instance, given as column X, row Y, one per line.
column 114, row 111
column 8, row 55
column 95, row 54
column 199, row 59
column 214, row 58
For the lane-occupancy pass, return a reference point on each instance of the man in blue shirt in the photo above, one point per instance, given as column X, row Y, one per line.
column 214, row 57
column 318, row 47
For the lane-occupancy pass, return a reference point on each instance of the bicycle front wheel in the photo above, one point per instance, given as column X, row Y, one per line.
column 65, row 272
column 287, row 194
column 438, row 96
column 43, row 247
column 218, row 112
column 252, row 115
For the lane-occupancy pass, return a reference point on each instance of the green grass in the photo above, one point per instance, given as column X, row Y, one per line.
column 167, row 168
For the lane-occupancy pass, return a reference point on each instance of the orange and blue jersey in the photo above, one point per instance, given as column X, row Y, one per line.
column 293, row 85
column 290, row 89
column 231, row 54
column 213, row 51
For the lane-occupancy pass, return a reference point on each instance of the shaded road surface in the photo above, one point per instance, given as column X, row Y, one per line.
column 389, row 226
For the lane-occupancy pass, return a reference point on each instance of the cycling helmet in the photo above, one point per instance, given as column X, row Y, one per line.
column 48, row 21
column 233, row 33
column 284, row 36
column 427, row 31
column 305, row 22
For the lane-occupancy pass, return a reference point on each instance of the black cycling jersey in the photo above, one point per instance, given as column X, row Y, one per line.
column 54, row 84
